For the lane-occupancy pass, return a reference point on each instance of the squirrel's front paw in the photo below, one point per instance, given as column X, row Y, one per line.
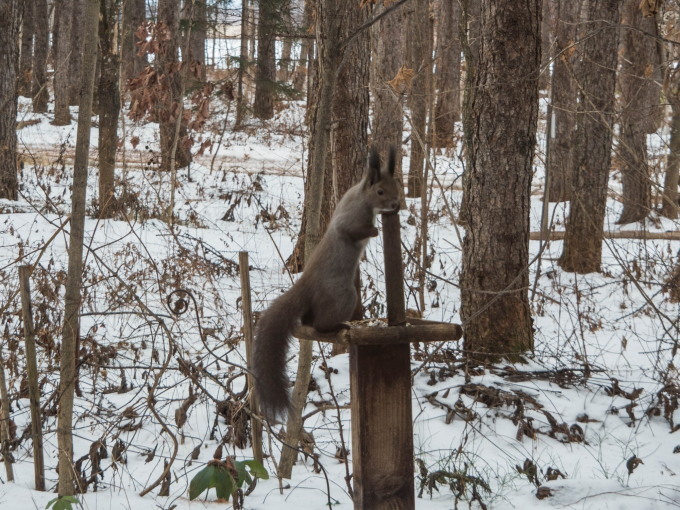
column 373, row 232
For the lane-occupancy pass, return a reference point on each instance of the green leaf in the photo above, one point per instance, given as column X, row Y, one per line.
column 212, row 476
column 240, row 467
column 225, row 485
column 203, row 480
column 63, row 503
column 257, row 469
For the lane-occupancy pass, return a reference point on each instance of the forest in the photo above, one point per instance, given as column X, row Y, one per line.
column 167, row 167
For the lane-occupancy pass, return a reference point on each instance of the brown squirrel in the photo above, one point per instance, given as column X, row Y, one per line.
column 325, row 295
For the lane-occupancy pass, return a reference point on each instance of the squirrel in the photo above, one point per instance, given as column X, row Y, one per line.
column 325, row 295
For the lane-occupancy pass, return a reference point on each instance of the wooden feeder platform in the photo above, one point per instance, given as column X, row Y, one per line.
column 380, row 379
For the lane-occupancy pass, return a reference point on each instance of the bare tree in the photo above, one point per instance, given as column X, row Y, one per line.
column 72, row 298
column 26, row 57
column 563, row 93
column 76, row 54
column 195, row 15
column 640, row 84
column 40, row 49
column 265, row 79
column 133, row 16
column 582, row 249
column 170, row 109
column 389, row 49
column 64, row 12
column 8, row 99
column 447, row 76
column 109, row 106
column 419, row 48
column 500, row 119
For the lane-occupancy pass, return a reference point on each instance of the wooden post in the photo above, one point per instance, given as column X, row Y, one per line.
column 255, row 423
column 382, row 429
column 32, row 372
column 4, row 417
column 380, row 376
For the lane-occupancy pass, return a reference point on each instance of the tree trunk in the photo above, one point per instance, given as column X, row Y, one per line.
column 265, row 79
column 76, row 63
column 26, row 58
column 470, row 40
column 283, row 73
column 669, row 207
column 134, row 14
column 500, row 134
column 639, row 100
column 172, row 108
column 420, row 48
column 199, row 31
column 306, row 50
column 389, row 50
column 582, row 250
column 40, row 94
column 243, row 58
column 109, row 107
column 447, row 109
column 563, row 101
column 548, row 15
column 72, row 298
column 9, row 17
column 62, row 115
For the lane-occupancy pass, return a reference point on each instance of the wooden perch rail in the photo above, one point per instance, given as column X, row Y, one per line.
column 359, row 334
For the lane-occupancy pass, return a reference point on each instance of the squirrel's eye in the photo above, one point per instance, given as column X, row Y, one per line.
column 380, row 191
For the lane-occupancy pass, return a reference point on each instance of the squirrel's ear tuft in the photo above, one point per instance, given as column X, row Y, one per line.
column 373, row 166
column 392, row 160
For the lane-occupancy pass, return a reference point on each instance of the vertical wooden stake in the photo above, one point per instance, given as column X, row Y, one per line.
column 255, row 423
column 32, row 372
column 4, row 417
column 382, row 429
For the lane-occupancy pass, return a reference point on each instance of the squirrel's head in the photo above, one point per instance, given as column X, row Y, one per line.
column 380, row 186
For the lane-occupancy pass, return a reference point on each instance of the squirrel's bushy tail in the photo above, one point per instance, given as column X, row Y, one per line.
column 272, row 337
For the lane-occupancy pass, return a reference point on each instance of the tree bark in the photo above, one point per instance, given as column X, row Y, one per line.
column 242, row 66
column 389, row 49
column 72, row 298
column 669, row 207
column 447, row 109
column 9, row 185
column 582, row 249
column 199, row 33
column 173, row 105
column 563, row 94
column 306, row 50
column 76, row 57
column 470, row 40
column 265, row 78
column 134, row 14
column 283, row 72
column 420, row 49
column 109, row 107
column 500, row 134
column 640, row 91
column 26, row 58
column 40, row 94
column 62, row 115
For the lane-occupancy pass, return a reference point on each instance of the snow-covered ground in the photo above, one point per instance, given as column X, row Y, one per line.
column 600, row 390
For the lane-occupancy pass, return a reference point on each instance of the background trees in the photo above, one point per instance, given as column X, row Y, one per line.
column 8, row 99
column 500, row 126
column 352, row 74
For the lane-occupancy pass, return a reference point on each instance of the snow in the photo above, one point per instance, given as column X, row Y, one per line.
column 590, row 329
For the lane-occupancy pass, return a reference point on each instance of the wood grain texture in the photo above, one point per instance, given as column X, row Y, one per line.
column 382, row 430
